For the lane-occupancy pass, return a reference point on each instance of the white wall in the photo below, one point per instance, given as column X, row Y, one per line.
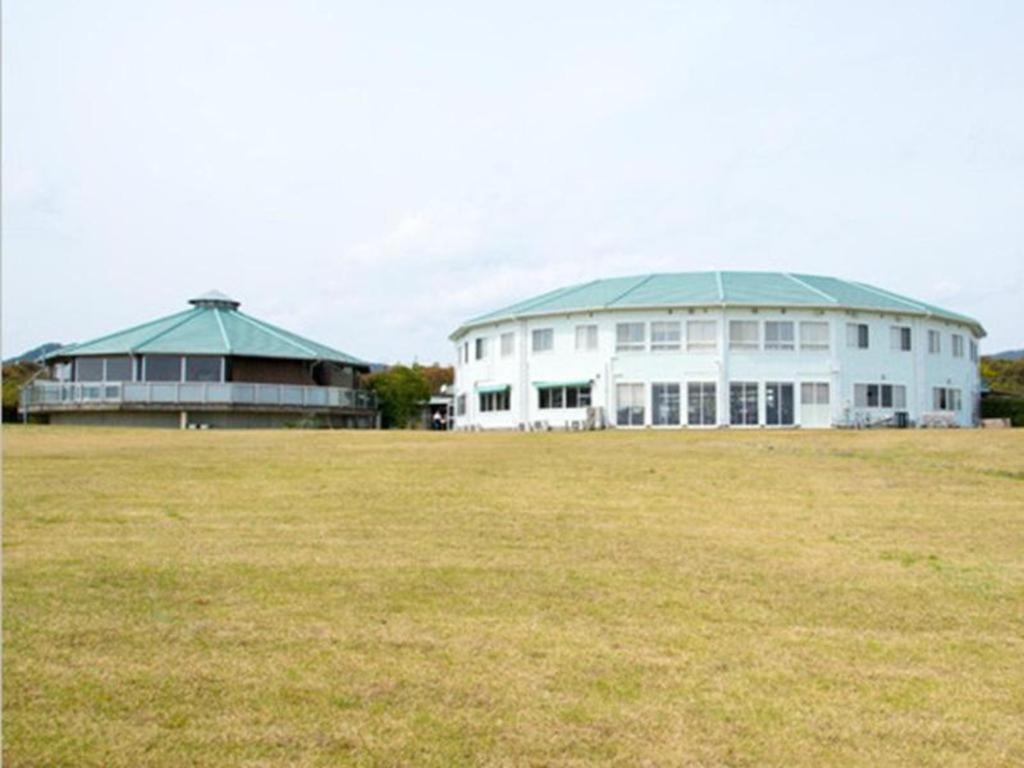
column 841, row 366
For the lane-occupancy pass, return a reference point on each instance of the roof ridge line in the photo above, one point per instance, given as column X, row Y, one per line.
column 894, row 296
column 810, row 287
column 135, row 327
column 191, row 315
column 279, row 334
column 646, row 279
column 223, row 331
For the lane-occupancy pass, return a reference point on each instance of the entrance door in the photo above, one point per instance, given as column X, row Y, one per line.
column 815, row 410
column 778, row 402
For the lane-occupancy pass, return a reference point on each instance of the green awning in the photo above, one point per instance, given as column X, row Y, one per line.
column 552, row 384
column 483, row 389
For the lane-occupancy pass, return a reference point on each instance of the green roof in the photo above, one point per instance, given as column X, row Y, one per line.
column 213, row 326
column 718, row 289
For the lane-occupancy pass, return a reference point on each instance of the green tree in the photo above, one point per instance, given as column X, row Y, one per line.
column 401, row 392
column 14, row 376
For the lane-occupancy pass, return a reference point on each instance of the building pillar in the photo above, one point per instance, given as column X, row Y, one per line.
column 183, row 420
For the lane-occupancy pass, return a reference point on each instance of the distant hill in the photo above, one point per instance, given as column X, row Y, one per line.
column 1010, row 354
column 34, row 355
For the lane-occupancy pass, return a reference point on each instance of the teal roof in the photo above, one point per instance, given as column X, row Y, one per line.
column 213, row 326
column 718, row 289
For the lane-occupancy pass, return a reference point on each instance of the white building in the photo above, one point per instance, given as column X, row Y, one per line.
column 716, row 349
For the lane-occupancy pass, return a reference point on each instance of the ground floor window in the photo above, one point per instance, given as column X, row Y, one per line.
column 743, row 402
column 162, row 367
column 460, row 405
column 946, row 399
column 495, row 401
column 629, row 399
column 814, row 393
column 778, row 404
column 202, row 368
column 701, row 403
column 880, row 396
column 665, row 404
column 574, row 396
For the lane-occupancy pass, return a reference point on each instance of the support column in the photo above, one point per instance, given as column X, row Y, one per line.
column 183, row 420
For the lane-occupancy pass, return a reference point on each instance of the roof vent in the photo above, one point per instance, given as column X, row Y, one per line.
column 215, row 300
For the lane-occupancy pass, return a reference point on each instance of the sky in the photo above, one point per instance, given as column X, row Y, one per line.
column 372, row 174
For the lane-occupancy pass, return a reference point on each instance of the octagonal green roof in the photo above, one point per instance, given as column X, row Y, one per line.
column 213, row 326
column 717, row 289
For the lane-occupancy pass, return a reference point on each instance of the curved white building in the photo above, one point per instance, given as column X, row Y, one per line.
column 706, row 349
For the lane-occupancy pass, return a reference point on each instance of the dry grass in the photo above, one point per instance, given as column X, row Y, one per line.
column 654, row 598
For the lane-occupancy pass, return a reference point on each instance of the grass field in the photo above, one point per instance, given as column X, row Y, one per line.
column 630, row 598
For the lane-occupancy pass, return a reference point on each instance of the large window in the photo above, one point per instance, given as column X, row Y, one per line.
column 665, row 404
column 778, row 404
column 701, row 402
column 880, row 396
column 629, row 337
column 958, row 345
column 495, row 401
column 629, row 400
column 743, row 334
column 162, row 368
column 899, row 338
column 508, row 344
column 814, row 336
column 569, row 396
column 118, row 368
column 814, row 393
column 946, row 399
column 779, row 334
column 542, row 340
column 701, row 335
column 586, row 338
column 666, row 336
column 934, row 343
column 857, row 335
column 202, row 369
column 89, row 369
column 481, row 348
column 974, row 351
column 743, row 403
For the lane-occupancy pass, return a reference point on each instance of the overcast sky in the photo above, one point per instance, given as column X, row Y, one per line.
column 370, row 174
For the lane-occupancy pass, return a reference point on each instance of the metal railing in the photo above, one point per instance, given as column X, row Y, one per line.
column 41, row 394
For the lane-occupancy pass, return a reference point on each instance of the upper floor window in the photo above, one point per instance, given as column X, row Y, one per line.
column 958, row 345
column 508, row 344
column 89, row 369
column 629, row 337
column 481, row 348
column 542, row 340
column 974, row 351
column 779, row 334
column 162, row 367
column 743, row 334
column 814, row 335
column 666, row 336
column 934, row 343
column 857, row 335
column 701, row 335
column 586, row 338
column 899, row 338
column 202, row 368
column 465, row 350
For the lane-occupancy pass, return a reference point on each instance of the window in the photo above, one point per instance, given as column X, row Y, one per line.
column 743, row 403
column 508, row 344
column 465, row 350
column 665, row 404
column 778, row 404
column 578, row 396
column 880, row 396
column 814, row 393
column 629, row 337
column 88, row 369
column 743, row 334
column 542, row 340
column 162, row 367
column 974, row 351
column 495, row 401
column 958, row 345
column 779, row 334
column 586, row 338
column 899, row 338
column 701, row 335
column 460, row 405
column 935, row 342
column 814, row 336
column 857, row 335
column 666, row 336
column 202, row 369
column 551, row 397
column 629, row 400
column 946, row 399
column 118, row 368
column 570, row 396
column 481, row 348
column 701, row 400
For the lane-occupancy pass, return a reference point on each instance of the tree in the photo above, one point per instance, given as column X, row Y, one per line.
column 15, row 375
column 437, row 375
column 401, row 392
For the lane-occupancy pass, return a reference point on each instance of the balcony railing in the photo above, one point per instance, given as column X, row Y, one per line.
column 43, row 394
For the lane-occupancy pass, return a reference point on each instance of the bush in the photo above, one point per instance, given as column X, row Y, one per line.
column 401, row 392
column 1004, row 407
